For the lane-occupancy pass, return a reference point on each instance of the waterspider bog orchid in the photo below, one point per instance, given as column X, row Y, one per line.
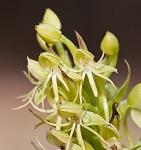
column 82, row 105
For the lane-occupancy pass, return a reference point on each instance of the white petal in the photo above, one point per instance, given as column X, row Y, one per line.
column 55, row 87
column 102, row 76
column 62, row 81
column 92, row 83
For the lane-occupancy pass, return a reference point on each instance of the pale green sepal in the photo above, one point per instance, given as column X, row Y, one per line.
column 48, row 60
column 134, row 97
column 93, row 119
column 136, row 116
column 39, row 96
column 48, row 33
column 57, row 137
column 50, row 17
column 76, row 147
column 88, row 146
column 36, row 70
column 74, row 76
column 41, row 42
column 102, row 68
column 69, row 109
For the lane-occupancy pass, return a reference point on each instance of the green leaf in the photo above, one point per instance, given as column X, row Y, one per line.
column 135, row 148
column 110, row 91
column 122, row 109
column 110, row 137
column 87, row 88
column 134, row 97
column 136, row 116
column 118, row 97
column 137, row 145
column 107, row 132
column 93, row 119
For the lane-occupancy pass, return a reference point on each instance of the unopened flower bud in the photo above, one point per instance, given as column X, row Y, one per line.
column 48, row 33
column 109, row 44
column 51, row 18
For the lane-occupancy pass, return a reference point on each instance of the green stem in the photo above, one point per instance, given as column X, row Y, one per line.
column 69, row 44
column 126, row 130
column 102, row 101
column 63, row 54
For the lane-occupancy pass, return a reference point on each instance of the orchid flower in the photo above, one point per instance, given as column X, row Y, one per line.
column 84, row 60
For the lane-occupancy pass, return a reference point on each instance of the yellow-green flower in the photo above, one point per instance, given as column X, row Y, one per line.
column 84, row 60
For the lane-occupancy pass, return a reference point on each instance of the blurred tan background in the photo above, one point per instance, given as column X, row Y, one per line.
column 17, row 41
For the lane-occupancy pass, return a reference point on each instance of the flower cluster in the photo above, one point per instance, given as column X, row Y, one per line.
column 80, row 100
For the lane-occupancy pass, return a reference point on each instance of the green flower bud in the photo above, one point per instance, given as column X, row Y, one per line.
column 109, row 44
column 51, row 18
column 48, row 33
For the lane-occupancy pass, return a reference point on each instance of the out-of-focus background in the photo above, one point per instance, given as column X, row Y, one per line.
column 91, row 18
